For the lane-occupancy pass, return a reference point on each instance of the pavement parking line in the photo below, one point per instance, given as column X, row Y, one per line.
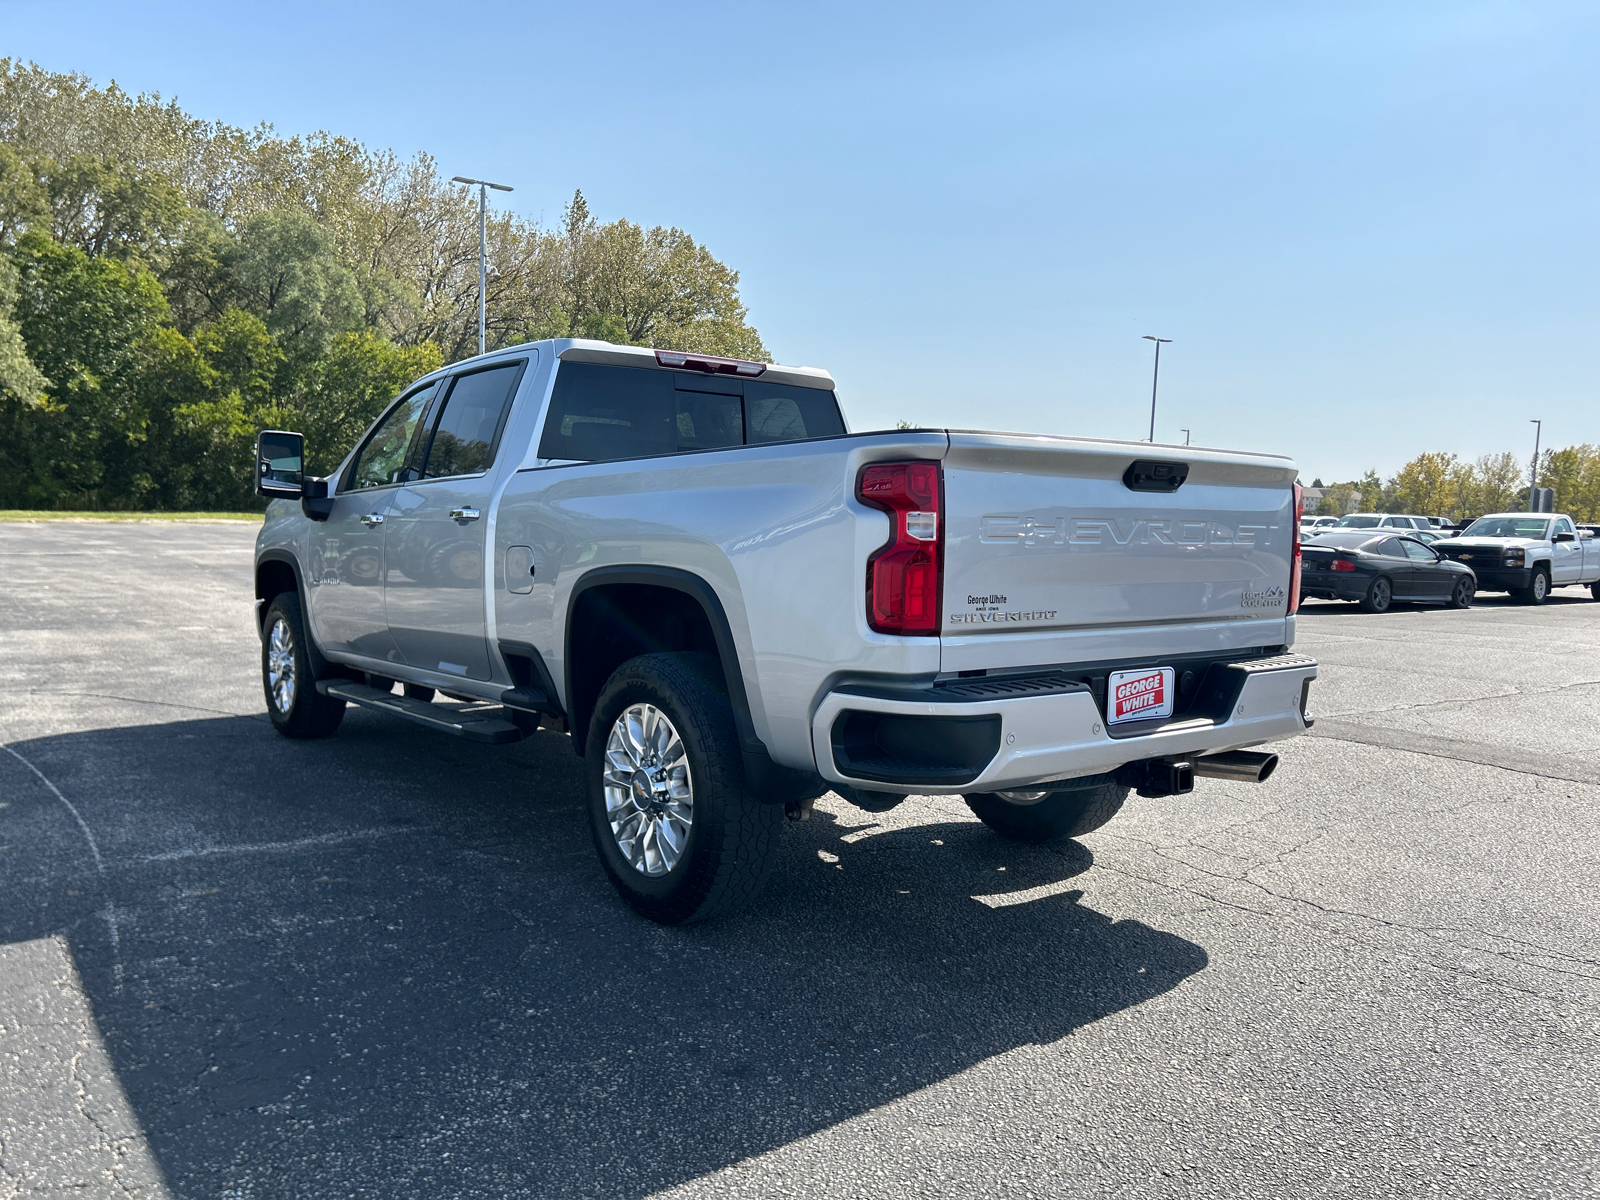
column 323, row 839
column 110, row 913
column 1547, row 766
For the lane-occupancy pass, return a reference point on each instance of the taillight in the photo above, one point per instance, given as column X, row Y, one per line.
column 1294, row 563
column 1342, row 564
column 903, row 576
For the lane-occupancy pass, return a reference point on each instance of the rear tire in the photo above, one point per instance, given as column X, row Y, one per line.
column 1058, row 816
column 1379, row 597
column 1594, row 590
column 677, row 830
column 1461, row 595
column 1538, row 589
column 288, row 678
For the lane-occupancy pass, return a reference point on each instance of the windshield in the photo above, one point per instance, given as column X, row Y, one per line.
column 1508, row 527
column 1359, row 522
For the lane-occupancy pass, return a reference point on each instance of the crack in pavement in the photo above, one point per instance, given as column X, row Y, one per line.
column 1430, row 931
column 138, row 700
column 1543, row 766
column 118, row 1146
column 1462, row 701
column 1453, row 969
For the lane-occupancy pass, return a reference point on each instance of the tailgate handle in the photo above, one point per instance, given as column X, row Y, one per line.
column 1148, row 475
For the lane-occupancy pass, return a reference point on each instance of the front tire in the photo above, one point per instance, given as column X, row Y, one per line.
column 1461, row 595
column 1059, row 815
column 288, row 678
column 1538, row 589
column 1594, row 590
column 677, row 830
column 1379, row 596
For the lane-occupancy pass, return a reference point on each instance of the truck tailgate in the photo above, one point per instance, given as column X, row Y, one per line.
column 1050, row 554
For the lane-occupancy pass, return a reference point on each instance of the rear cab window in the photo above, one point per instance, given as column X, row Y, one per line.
column 600, row 413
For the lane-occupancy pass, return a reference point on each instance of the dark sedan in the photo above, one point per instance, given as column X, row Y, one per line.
column 1377, row 571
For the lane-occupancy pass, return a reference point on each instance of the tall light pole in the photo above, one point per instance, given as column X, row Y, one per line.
column 483, row 186
column 1185, row 437
column 1155, row 378
column 1533, row 484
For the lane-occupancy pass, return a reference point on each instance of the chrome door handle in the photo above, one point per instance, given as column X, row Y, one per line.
column 464, row 514
column 371, row 519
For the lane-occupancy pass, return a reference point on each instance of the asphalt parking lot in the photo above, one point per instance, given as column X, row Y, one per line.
column 387, row 964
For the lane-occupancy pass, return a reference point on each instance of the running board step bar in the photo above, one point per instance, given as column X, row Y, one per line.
column 473, row 724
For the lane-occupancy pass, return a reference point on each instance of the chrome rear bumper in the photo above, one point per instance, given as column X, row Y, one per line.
column 955, row 742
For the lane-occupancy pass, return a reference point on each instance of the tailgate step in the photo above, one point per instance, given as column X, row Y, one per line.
column 474, row 724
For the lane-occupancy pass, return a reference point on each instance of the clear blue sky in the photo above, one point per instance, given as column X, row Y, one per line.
column 1370, row 228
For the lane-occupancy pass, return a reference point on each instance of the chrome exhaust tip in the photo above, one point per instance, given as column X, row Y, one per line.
column 1245, row 766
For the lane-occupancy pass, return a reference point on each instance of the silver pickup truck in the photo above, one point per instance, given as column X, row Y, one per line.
column 733, row 604
column 1527, row 554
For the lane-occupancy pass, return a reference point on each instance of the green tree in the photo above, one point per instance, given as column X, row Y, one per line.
column 246, row 360
column 168, row 284
column 107, row 208
column 1374, row 497
column 85, row 321
column 18, row 376
column 347, row 388
column 284, row 271
column 1337, row 500
column 1585, row 503
column 1498, row 484
column 24, row 203
column 1425, row 485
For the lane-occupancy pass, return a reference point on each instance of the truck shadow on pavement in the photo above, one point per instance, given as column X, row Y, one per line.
column 387, row 964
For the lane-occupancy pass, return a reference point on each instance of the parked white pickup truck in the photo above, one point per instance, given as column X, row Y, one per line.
column 1527, row 554
column 733, row 604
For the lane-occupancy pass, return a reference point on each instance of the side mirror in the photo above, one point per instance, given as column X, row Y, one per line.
column 1562, row 537
column 280, row 461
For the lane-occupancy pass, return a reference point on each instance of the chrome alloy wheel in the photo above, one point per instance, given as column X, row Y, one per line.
column 649, row 795
column 280, row 666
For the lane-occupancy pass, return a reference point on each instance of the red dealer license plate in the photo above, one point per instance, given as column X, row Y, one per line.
column 1139, row 695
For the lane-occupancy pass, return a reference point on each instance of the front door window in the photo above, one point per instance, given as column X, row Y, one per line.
column 383, row 459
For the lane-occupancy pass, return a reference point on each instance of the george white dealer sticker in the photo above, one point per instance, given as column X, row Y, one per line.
column 1140, row 695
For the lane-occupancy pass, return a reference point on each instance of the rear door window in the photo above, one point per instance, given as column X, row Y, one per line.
column 600, row 412
column 467, row 429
